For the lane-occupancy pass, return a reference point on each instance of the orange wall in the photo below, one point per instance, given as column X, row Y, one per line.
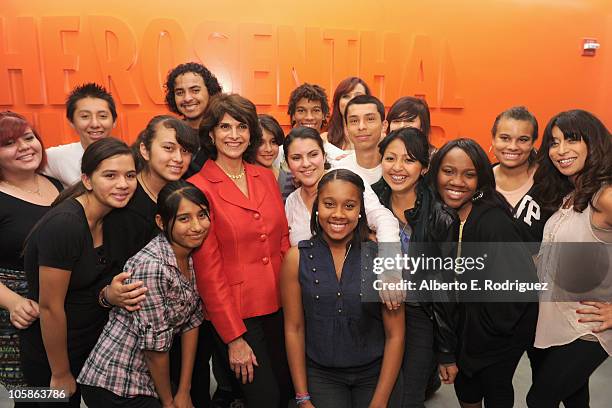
column 470, row 58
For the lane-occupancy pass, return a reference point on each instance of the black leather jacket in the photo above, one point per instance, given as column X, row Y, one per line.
column 434, row 226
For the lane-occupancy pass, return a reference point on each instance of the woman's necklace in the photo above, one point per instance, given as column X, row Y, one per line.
column 233, row 176
column 25, row 190
column 147, row 189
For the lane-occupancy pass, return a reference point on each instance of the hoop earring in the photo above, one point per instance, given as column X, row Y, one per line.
column 490, row 148
column 477, row 196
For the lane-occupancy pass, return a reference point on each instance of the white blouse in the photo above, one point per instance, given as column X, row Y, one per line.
column 557, row 320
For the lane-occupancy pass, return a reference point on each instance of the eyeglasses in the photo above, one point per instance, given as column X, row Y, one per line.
column 241, row 128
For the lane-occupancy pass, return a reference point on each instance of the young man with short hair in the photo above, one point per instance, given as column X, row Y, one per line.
column 365, row 121
column 91, row 111
column 188, row 88
column 308, row 106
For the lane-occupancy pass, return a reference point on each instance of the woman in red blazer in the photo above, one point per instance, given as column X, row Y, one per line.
column 237, row 268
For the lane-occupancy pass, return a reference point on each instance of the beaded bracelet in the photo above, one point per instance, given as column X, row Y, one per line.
column 301, row 398
column 102, row 299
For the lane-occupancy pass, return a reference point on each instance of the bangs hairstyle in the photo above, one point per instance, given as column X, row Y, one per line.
column 361, row 231
column 550, row 186
column 304, row 132
column 169, row 200
column 185, row 137
column 210, row 82
column 410, row 108
column 239, row 108
column 311, row 92
column 365, row 100
column 93, row 156
column 484, row 172
column 270, row 124
column 12, row 127
column 414, row 140
column 335, row 130
column 89, row 90
column 519, row 113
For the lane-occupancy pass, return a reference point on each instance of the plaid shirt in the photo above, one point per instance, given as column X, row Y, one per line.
column 172, row 305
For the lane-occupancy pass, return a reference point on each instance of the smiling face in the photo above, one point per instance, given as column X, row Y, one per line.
column 457, row 181
column 166, row 159
column 21, row 155
column 339, row 207
column 364, row 126
column 400, row 171
column 359, row 89
column 306, row 161
column 567, row 155
column 92, row 120
column 191, row 96
column 268, row 150
column 308, row 113
column 190, row 226
column 231, row 138
column 512, row 142
column 114, row 181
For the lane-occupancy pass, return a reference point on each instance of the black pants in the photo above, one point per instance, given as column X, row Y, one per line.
column 96, row 397
column 492, row 383
column 418, row 357
column 561, row 373
column 200, row 380
column 38, row 374
column 342, row 387
column 271, row 386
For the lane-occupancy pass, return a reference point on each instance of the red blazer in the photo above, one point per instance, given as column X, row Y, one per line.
column 238, row 266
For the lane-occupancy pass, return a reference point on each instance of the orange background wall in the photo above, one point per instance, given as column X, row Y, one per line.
column 470, row 59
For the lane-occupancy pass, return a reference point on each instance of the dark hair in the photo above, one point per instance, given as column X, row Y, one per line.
column 13, row 126
column 550, row 186
column 270, row 124
column 93, row 156
column 484, row 172
column 210, row 81
column 184, row 136
column 312, row 93
column 362, row 230
column 335, row 130
column 415, row 141
column 304, row 132
column 89, row 90
column 519, row 113
column 410, row 108
column 169, row 200
column 364, row 100
column 239, row 108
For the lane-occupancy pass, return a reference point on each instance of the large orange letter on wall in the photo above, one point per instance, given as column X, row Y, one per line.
column 344, row 56
column 258, row 56
column 56, row 61
column 216, row 45
column 20, row 54
column 421, row 76
column 115, row 66
column 158, row 57
column 380, row 66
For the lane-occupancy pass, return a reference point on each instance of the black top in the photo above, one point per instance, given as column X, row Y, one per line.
column 341, row 330
column 488, row 332
column 17, row 217
column 63, row 240
column 198, row 159
column 130, row 229
column 532, row 217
